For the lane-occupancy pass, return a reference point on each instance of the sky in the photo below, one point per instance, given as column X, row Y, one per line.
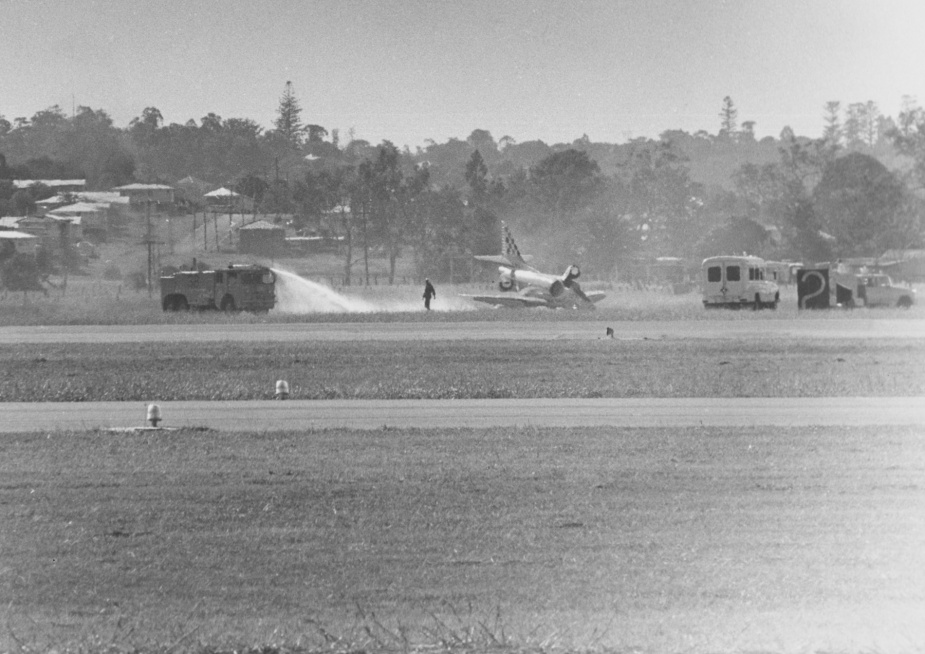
column 412, row 70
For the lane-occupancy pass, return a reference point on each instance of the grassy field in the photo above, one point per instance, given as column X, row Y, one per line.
column 462, row 369
column 694, row 540
column 92, row 301
column 541, row 540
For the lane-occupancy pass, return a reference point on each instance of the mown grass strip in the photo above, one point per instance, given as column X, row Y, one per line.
column 461, row 369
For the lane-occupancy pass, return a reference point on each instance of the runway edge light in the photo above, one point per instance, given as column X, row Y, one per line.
column 154, row 414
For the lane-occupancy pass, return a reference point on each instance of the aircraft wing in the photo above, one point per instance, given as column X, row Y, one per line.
column 511, row 300
column 502, row 260
column 494, row 258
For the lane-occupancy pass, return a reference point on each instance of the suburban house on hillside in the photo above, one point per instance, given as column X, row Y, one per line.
column 13, row 242
column 93, row 218
column 97, row 209
column 223, row 200
column 58, row 185
column 192, row 190
column 139, row 195
column 261, row 237
column 48, row 229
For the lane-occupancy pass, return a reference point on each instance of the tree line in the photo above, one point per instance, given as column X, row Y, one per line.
column 854, row 192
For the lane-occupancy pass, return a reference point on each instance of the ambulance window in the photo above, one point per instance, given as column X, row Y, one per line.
column 714, row 274
column 733, row 274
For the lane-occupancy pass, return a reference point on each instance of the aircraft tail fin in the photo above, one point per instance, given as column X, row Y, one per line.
column 509, row 248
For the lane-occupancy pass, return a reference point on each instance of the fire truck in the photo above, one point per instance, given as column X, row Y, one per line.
column 239, row 287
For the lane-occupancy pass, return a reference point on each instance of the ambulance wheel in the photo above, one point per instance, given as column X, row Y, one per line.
column 227, row 303
column 757, row 306
column 180, row 304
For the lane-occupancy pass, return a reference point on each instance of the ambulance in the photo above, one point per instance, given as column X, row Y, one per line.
column 738, row 281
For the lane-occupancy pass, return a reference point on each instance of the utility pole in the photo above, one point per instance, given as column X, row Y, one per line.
column 149, row 241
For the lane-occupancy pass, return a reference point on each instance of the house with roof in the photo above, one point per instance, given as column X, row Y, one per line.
column 261, row 237
column 140, row 195
column 35, row 225
column 192, row 190
column 93, row 217
column 57, row 185
column 223, row 200
column 13, row 242
column 48, row 229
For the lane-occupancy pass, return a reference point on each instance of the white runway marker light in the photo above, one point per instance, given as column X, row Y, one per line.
column 282, row 390
column 154, row 414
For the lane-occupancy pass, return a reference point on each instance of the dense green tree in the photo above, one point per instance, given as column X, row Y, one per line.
column 253, row 186
column 21, row 273
column 439, row 233
column 477, row 177
column 664, row 205
column 860, row 203
column 908, row 136
column 560, row 185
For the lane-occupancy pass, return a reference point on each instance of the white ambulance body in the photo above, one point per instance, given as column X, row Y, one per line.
column 737, row 281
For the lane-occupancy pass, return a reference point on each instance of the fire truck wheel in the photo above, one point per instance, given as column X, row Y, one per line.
column 228, row 303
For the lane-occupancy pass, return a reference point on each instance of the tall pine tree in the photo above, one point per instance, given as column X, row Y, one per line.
column 288, row 122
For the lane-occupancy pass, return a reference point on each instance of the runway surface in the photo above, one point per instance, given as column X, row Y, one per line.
column 260, row 416
column 830, row 328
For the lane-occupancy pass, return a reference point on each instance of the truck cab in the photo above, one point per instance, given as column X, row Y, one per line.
column 738, row 281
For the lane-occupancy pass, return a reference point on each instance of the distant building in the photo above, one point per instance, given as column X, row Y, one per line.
column 13, row 242
column 48, row 229
column 223, row 200
column 191, row 190
column 261, row 237
column 142, row 194
column 94, row 218
column 36, row 225
column 58, row 185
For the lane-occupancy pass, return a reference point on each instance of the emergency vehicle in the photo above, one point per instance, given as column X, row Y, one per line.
column 239, row 287
column 738, row 281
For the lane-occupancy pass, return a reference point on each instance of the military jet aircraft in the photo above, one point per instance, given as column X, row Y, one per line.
column 525, row 286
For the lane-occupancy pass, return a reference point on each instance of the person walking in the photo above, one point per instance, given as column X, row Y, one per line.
column 429, row 292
